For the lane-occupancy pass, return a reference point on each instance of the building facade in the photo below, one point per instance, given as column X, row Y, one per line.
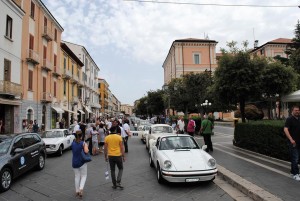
column 103, row 89
column 11, row 16
column 127, row 109
column 189, row 55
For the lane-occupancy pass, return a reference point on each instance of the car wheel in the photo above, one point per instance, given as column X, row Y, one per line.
column 6, row 179
column 150, row 161
column 159, row 176
column 60, row 150
column 41, row 163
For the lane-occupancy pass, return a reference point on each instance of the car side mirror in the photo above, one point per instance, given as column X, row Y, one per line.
column 18, row 150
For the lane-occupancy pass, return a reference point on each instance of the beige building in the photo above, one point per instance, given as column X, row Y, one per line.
column 127, row 109
column 189, row 55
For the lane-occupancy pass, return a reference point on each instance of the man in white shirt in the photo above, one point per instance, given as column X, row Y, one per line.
column 76, row 127
column 180, row 125
column 126, row 128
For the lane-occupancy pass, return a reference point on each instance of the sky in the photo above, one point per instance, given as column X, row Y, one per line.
column 129, row 40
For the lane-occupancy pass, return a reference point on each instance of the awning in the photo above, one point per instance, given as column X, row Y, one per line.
column 10, row 102
column 88, row 109
column 58, row 109
column 293, row 97
column 82, row 112
column 70, row 111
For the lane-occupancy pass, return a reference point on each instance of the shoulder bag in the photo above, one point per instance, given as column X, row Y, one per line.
column 85, row 157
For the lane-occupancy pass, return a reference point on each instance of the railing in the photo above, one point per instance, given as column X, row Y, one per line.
column 47, row 34
column 80, row 82
column 95, row 105
column 47, row 65
column 10, row 88
column 46, row 97
column 56, row 70
column 32, row 56
column 66, row 74
column 75, row 100
column 75, row 78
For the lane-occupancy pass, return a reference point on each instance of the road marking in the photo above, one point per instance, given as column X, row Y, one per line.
column 254, row 162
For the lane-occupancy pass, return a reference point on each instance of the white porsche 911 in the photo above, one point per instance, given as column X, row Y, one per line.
column 178, row 158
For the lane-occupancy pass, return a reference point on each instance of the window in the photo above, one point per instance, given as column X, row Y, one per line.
column 65, row 63
column 55, row 35
column 45, row 53
column 54, row 91
column 44, row 84
column 30, row 79
column 45, row 21
column 31, row 42
column 65, row 87
column 55, row 58
column 32, row 10
column 7, row 70
column 72, row 69
column 196, row 59
column 28, row 140
column 9, row 23
column 18, row 143
column 73, row 90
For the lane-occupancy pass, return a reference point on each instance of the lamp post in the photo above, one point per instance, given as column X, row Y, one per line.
column 205, row 105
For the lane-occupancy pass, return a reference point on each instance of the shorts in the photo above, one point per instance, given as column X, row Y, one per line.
column 101, row 144
column 95, row 144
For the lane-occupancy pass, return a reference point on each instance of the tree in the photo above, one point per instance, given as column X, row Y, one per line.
column 293, row 50
column 155, row 102
column 237, row 77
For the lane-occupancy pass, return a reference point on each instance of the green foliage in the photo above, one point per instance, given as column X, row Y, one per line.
column 293, row 50
column 265, row 137
column 251, row 113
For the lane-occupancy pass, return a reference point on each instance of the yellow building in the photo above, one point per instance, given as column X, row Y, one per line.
column 103, row 89
column 70, row 86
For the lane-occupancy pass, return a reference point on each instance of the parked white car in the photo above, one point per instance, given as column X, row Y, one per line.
column 57, row 140
column 144, row 132
column 178, row 158
column 157, row 130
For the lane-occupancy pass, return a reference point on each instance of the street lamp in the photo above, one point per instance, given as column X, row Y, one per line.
column 205, row 105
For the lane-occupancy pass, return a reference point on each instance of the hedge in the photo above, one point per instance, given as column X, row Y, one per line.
column 264, row 137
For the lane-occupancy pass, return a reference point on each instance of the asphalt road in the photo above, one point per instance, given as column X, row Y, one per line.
column 56, row 182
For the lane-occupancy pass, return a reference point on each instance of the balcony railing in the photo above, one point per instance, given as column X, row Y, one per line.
column 95, row 105
column 47, row 65
column 80, row 83
column 66, row 74
column 46, row 97
column 10, row 88
column 74, row 100
column 32, row 56
column 47, row 34
column 56, row 71
column 75, row 78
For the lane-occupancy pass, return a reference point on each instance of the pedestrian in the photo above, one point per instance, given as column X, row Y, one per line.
column 61, row 124
column 102, row 134
column 292, row 132
column 88, row 135
column 126, row 128
column 76, row 127
column 2, row 130
column 206, row 129
column 114, row 153
column 29, row 127
column 79, row 167
column 191, row 126
column 174, row 126
column 180, row 125
column 95, row 140
column 35, row 127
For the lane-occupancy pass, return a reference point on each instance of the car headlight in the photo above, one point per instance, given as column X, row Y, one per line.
column 167, row 164
column 52, row 146
column 211, row 162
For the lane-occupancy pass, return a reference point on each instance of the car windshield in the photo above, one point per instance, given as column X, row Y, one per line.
column 52, row 134
column 178, row 142
column 162, row 129
column 4, row 145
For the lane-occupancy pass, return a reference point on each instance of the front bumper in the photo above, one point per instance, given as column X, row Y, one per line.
column 51, row 150
column 189, row 176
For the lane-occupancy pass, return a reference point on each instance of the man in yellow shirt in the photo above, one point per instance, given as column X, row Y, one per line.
column 114, row 153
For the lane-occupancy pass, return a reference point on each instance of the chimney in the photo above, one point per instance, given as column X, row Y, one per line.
column 255, row 44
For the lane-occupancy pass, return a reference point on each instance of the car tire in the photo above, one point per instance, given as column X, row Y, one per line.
column 6, row 179
column 41, row 162
column 60, row 151
column 160, row 179
column 151, row 161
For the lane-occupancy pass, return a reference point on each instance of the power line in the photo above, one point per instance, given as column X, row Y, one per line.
column 214, row 4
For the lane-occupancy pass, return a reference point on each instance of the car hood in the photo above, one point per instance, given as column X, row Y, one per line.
column 187, row 160
column 52, row 140
column 157, row 135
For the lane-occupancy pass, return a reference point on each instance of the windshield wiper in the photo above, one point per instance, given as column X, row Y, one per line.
column 183, row 148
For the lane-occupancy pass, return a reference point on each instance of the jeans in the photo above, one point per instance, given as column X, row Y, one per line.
column 125, row 141
column 113, row 161
column 208, row 143
column 80, row 177
column 294, row 154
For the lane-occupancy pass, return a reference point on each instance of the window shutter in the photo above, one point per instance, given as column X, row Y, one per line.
column 54, row 91
column 31, row 42
column 30, row 77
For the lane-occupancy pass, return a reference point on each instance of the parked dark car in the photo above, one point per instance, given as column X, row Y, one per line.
column 18, row 154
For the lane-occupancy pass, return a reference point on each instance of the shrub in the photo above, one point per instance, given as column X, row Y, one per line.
column 265, row 137
column 251, row 113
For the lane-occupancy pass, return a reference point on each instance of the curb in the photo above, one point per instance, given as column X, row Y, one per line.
column 251, row 190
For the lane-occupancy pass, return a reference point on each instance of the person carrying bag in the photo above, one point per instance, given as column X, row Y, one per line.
column 206, row 131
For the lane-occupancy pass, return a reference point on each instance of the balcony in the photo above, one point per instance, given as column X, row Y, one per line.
column 56, row 71
column 32, row 57
column 10, row 89
column 66, row 74
column 47, row 34
column 46, row 97
column 74, row 100
column 95, row 105
column 74, row 79
column 80, row 83
column 47, row 65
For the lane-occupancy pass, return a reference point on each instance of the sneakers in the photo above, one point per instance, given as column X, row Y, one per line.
column 114, row 187
column 296, row 177
column 121, row 187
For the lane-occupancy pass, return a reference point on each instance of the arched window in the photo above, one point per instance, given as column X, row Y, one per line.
column 29, row 115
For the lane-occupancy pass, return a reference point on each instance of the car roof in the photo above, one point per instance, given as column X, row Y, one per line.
column 13, row 135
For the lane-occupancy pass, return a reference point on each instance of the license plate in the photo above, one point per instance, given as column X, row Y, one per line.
column 191, row 180
column 135, row 134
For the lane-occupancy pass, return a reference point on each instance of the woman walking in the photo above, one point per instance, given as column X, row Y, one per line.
column 80, row 168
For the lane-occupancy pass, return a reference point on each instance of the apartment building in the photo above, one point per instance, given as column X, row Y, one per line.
column 272, row 48
column 116, row 106
column 89, row 92
column 127, row 109
column 103, row 90
column 11, row 16
column 189, row 55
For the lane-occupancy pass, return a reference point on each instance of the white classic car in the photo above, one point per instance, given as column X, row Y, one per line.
column 178, row 158
column 57, row 140
column 144, row 132
column 157, row 130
